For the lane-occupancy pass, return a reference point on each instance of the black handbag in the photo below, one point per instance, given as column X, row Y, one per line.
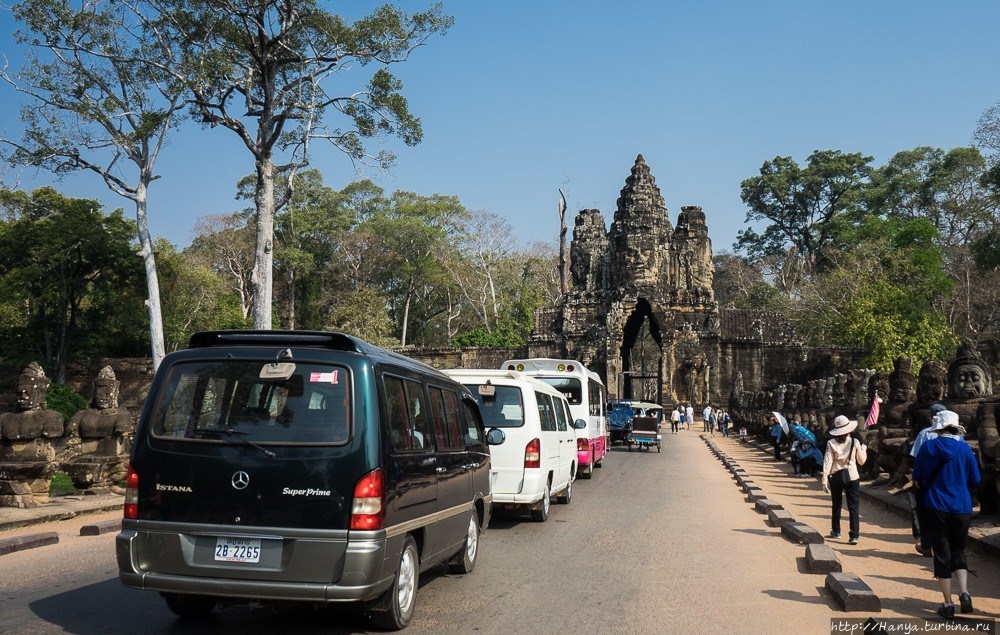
column 843, row 476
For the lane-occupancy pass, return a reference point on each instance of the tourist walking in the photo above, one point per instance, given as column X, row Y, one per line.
column 689, row 415
column 712, row 420
column 675, row 420
column 840, row 476
column 706, row 414
column 913, row 495
column 724, row 423
column 946, row 471
column 777, row 436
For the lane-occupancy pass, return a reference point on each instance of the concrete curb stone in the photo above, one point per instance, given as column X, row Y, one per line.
column 778, row 517
column 28, row 541
column 852, row 593
column 820, row 558
column 103, row 527
column 803, row 533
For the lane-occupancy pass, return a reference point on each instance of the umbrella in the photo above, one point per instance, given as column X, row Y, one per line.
column 781, row 421
column 803, row 434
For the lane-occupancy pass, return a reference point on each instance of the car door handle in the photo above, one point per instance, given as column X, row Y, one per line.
column 470, row 466
column 442, row 470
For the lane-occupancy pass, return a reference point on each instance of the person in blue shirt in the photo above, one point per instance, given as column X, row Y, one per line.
column 947, row 472
column 777, row 436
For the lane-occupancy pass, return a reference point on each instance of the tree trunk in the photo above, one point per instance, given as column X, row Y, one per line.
column 152, row 281
column 563, row 287
column 264, row 257
column 406, row 314
column 291, row 298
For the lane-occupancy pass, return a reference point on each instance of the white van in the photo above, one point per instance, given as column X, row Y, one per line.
column 539, row 455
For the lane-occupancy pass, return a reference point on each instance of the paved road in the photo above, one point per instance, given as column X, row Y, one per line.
column 654, row 543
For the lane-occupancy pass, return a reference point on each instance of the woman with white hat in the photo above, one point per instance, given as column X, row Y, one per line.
column 843, row 455
column 946, row 471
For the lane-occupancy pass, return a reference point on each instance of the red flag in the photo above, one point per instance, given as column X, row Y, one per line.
column 873, row 413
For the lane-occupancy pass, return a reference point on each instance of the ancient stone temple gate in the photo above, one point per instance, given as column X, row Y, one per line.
column 641, row 311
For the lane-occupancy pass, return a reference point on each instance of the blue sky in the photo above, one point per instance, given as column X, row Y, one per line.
column 523, row 97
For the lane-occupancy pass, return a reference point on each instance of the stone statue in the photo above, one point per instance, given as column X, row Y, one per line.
column 102, row 431
column 26, row 451
column 970, row 394
column 894, row 432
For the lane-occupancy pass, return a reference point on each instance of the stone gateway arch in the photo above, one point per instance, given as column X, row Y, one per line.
column 641, row 311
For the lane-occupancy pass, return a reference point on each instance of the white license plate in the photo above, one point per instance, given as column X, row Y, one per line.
column 237, row 549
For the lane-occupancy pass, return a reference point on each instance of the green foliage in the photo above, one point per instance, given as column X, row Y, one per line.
column 801, row 205
column 71, row 272
column 883, row 294
column 64, row 400
column 61, row 485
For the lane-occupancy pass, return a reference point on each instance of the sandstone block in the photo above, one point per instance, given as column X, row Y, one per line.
column 802, row 533
column 852, row 593
column 820, row 558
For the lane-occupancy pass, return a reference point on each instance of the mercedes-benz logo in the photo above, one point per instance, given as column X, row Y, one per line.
column 241, row 480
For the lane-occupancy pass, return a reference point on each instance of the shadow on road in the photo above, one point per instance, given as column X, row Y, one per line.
column 821, row 597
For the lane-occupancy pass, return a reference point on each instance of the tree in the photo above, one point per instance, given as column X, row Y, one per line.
column 802, row 205
column 196, row 298
column 261, row 68
column 225, row 243
column 884, row 294
column 94, row 107
column 945, row 187
column 66, row 267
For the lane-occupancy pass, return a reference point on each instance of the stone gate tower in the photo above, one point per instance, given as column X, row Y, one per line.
column 641, row 311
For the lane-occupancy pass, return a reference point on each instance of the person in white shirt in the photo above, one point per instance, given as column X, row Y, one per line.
column 706, row 414
column 675, row 420
column 689, row 416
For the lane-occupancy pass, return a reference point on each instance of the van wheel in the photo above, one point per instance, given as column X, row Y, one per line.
column 541, row 513
column 566, row 495
column 465, row 560
column 589, row 472
column 184, row 605
column 394, row 610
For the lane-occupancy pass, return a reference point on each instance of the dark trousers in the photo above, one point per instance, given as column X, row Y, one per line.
column 673, row 426
column 947, row 534
column 853, row 491
column 915, row 498
column 777, row 448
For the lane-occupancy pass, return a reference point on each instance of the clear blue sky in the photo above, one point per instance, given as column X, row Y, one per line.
column 523, row 97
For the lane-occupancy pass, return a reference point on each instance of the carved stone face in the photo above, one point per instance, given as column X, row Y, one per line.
column 901, row 389
column 105, row 396
column 969, row 382
column 30, row 395
column 878, row 382
column 932, row 383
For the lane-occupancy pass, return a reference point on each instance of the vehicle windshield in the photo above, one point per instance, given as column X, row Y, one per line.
column 237, row 402
column 503, row 410
column 569, row 386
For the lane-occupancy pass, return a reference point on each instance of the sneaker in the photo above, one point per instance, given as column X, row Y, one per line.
column 947, row 611
column 966, row 601
column 834, row 534
column 852, row 541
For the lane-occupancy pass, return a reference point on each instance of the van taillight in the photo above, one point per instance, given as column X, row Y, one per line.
column 582, row 445
column 131, row 494
column 533, row 454
column 368, row 507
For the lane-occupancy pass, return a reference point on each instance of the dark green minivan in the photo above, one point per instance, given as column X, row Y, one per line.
column 301, row 466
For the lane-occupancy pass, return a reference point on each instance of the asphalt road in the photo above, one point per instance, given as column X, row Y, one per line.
column 655, row 542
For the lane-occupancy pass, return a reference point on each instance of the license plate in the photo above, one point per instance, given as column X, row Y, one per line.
column 237, row 549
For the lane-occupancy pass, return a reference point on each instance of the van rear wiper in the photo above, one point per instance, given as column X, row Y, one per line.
column 233, row 434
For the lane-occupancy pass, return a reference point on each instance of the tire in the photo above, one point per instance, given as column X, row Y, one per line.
column 465, row 560
column 394, row 610
column 184, row 605
column 564, row 497
column 589, row 472
column 541, row 513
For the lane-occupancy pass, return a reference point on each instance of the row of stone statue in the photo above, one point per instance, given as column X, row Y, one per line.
column 35, row 441
column 964, row 386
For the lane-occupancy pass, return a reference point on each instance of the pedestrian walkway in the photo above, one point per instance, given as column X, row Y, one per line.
column 885, row 558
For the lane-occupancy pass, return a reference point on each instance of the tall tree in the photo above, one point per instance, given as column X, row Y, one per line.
column 93, row 106
column 801, row 204
column 261, row 69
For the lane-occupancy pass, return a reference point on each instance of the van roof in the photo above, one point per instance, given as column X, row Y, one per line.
column 536, row 364
column 329, row 340
column 484, row 374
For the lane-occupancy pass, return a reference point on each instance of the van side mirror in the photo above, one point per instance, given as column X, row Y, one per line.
column 495, row 436
column 579, row 424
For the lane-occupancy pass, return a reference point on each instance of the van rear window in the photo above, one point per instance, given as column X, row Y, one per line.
column 569, row 386
column 229, row 402
column 503, row 410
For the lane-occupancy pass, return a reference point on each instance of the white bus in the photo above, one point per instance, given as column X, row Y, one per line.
column 587, row 399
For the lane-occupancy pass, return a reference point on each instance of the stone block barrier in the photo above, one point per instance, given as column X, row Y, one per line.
column 28, row 541
column 778, row 517
column 802, row 533
column 852, row 593
column 820, row 558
